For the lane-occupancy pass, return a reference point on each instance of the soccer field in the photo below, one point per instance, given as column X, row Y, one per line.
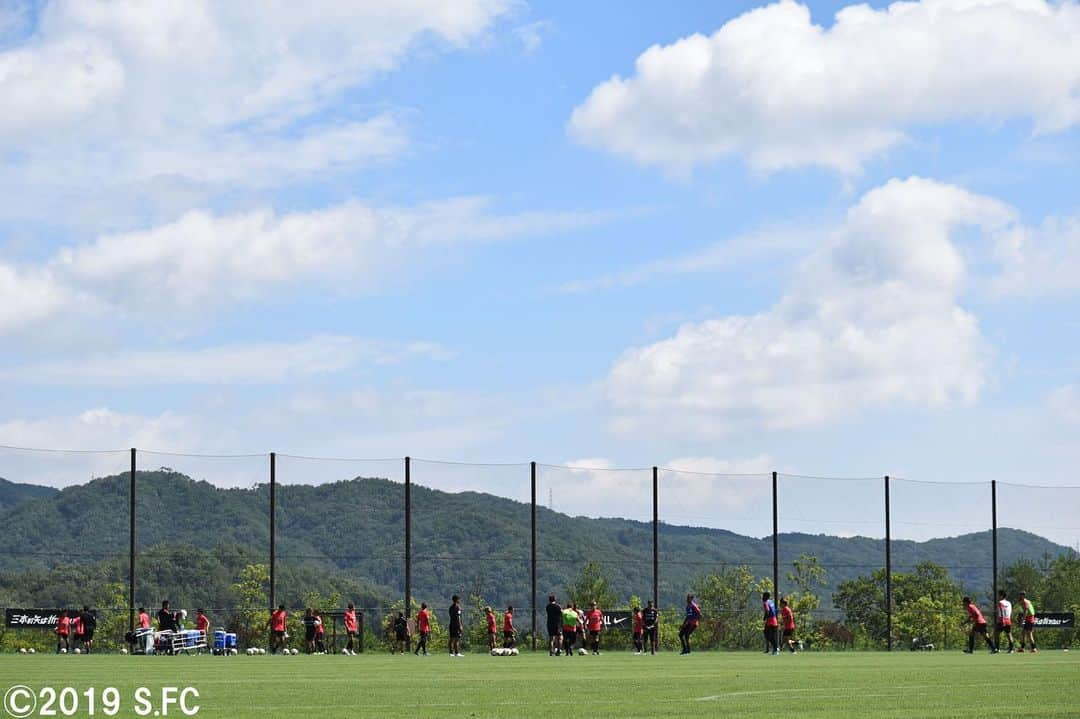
column 742, row 685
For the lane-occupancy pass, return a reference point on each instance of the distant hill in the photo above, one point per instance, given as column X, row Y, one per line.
column 12, row 493
column 350, row 535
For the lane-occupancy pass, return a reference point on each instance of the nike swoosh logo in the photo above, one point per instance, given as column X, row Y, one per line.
column 619, row 621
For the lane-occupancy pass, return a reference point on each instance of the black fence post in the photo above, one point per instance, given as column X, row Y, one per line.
column 273, row 528
column 994, row 537
column 655, row 538
column 532, row 564
column 131, row 548
column 407, row 608
column 888, row 569
column 776, row 547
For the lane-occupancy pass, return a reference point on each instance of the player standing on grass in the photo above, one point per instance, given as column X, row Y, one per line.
column 690, row 623
column 401, row 633
column 456, row 628
column 978, row 626
column 650, row 617
column 595, row 620
column 276, row 622
column 639, row 631
column 787, row 618
column 350, row 629
column 509, row 633
column 554, row 626
column 570, row 623
column 492, row 627
column 63, row 628
column 309, row 629
column 87, row 625
column 1003, row 625
column 76, row 630
column 423, row 625
column 768, row 610
column 1028, row 610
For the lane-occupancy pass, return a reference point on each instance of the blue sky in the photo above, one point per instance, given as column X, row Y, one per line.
column 721, row 237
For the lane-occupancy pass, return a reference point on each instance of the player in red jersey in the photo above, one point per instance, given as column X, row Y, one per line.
column 76, row 630
column 639, row 631
column 489, row 615
column 509, row 633
column 423, row 626
column 978, row 626
column 276, row 622
column 787, row 621
column 350, row 629
column 690, row 623
column 768, row 609
column 63, row 630
column 594, row 619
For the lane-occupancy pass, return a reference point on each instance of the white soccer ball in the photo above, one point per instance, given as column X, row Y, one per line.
column 123, row 650
column 233, row 652
column 63, row 651
column 582, row 651
column 295, row 651
column 22, row 650
column 78, row 651
column 514, row 652
column 32, row 650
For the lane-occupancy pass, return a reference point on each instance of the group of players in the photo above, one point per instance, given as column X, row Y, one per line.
column 314, row 630
column 75, row 630
column 1003, row 624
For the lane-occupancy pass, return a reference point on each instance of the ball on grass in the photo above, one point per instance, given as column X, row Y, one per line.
column 77, row 650
column 63, row 651
column 581, row 651
column 32, row 650
column 123, row 650
column 22, row 650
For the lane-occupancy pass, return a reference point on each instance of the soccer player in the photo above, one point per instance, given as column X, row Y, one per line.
column 768, row 609
column 456, row 627
column 202, row 622
column 63, row 628
column 492, row 627
column 509, row 633
column 639, row 632
column 309, row 629
column 166, row 619
column 594, row 619
column 1003, row 625
column 570, row 623
column 1028, row 610
column 650, row 617
column 350, row 629
column 87, row 624
column 788, row 621
column 554, row 626
column 423, row 625
column 320, row 633
column 690, row 623
column 145, row 632
column 978, row 626
column 276, row 622
column 76, row 629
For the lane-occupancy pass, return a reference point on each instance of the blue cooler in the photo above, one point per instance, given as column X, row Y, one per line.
column 219, row 639
column 230, row 641
column 191, row 638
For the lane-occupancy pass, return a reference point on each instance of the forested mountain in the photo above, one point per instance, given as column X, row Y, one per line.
column 12, row 493
column 192, row 539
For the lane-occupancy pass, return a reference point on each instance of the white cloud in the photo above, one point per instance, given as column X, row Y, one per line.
column 779, row 91
column 1064, row 402
column 202, row 261
column 106, row 95
column 236, row 364
column 1041, row 261
column 532, row 34
column 869, row 321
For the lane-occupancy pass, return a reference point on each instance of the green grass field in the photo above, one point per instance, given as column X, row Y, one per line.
column 743, row 685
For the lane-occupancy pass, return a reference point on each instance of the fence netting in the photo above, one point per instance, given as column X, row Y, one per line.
column 66, row 548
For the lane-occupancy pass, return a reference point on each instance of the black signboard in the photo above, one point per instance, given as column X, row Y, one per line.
column 1055, row 620
column 619, row 619
column 32, row 618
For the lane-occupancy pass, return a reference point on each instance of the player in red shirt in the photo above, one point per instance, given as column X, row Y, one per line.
column 63, row 629
column 491, row 626
column 276, row 622
column 423, row 626
column 320, row 633
column 787, row 621
column 509, row 633
column 639, row 631
column 768, row 610
column 594, row 620
column 978, row 626
column 350, row 629
column 76, row 630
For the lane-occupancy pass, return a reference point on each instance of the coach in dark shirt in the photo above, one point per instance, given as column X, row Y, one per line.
column 166, row 620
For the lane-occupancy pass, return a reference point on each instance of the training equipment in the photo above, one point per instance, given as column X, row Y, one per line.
column 248, row 651
column 123, row 650
column 22, row 650
column 77, row 650
column 233, row 651
column 295, row 651
column 32, row 650
column 63, row 651
column 582, row 651
column 514, row 651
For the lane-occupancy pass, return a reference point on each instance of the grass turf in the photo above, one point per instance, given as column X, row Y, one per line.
column 745, row 685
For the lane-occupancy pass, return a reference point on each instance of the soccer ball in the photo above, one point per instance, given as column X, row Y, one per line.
column 295, row 651
column 63, row 651
column 123, row 650
column 514, row 652
column 233, row 652
column 78, row 651
column 248, row 651
column 22, row 650
column 32, row 650
column 582, row 651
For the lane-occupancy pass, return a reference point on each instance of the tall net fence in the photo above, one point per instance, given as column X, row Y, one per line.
column 832, row 539
column 66, row 548
column 715, row 540
column 340, row 538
